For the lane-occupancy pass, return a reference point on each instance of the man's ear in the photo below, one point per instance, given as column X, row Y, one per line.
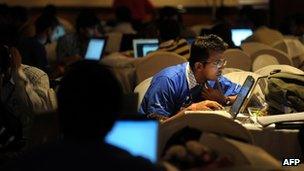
column 198, row 66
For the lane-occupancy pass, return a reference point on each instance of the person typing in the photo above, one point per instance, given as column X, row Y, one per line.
column 194, row 85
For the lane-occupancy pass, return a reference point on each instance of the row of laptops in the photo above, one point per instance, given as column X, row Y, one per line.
column 142, row 47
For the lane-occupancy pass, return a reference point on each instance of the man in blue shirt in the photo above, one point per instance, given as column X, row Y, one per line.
column 194, row 85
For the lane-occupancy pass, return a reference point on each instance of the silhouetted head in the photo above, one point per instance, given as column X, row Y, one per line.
column 49, row 10
column 169, row 29
column 223, row 30
column 89, row 100
column 8, row 38
column 87, row 24
column 46, row 23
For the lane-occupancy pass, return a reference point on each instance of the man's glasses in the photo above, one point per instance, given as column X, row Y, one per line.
column 218, row 63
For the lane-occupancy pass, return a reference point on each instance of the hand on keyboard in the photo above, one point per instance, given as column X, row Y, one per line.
column 205, row 105
column 209, row 93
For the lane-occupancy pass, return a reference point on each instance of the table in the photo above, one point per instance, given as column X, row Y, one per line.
column 280, row 143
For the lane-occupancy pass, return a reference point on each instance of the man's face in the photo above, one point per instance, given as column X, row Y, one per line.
column 91, row 32
column 212, row 68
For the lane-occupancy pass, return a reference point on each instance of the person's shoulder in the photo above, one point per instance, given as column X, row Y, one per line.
column 33, row 73
column 68, row 37
column 173, row 72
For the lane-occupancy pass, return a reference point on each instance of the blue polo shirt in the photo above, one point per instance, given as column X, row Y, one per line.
column 169, row 91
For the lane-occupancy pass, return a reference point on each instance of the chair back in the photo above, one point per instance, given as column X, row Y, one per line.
column 283, row 68
column 141, row 90
column 212, row 123
column 237, row 59
column 264, row 60
column 155, row 62
column 229, row 70
column 281, row 57
column 252, row 47
column 293, row 48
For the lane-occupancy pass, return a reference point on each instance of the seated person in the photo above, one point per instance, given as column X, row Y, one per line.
column 24, row 89
column 123, row 21
column 169, row 12
column 170, row 41
column 72, row 47
column 84, row 123
column 33, row 49
column 186, row 85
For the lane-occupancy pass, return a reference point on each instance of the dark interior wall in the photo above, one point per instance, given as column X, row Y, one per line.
column 279, row 9
column 193, row 15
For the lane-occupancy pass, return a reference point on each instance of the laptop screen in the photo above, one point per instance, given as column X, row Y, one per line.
column 241, row 97
column 142, row 47
column 138, row 137
column 95, row 49
column 238, row 35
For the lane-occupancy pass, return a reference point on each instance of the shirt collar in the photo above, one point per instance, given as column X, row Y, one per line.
column 190, row 77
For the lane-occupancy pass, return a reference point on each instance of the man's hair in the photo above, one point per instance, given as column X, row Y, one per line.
column 45, row 21
column 89, row 100
column 86, row 19
column 203, row 46
column 169, row 12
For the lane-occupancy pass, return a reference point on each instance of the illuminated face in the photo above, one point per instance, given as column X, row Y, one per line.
column 210, row 69
column 92, row 31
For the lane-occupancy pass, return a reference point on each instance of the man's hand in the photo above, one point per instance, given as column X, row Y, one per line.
column 16, row 58
column 209, row 93
column 205, row 105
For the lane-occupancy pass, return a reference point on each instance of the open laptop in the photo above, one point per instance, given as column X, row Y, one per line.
column 142, row 47
column 240, row 102
column 95, row 49
column 137, row 135
column 240, row 34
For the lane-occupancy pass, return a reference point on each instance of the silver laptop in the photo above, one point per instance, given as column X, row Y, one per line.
column 142, row 47
column 137, row 135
